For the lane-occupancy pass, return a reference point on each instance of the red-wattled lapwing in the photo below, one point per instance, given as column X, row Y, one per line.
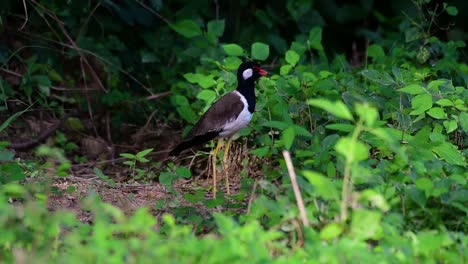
column 226, row 116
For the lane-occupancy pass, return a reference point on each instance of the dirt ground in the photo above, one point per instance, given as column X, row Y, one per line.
column 131, row 196
column 120, row 188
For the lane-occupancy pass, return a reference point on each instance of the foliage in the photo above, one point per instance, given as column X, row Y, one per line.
column 379, row 143
column 132, row 159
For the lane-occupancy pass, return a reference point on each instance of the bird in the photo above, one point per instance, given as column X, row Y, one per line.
column 226, row 116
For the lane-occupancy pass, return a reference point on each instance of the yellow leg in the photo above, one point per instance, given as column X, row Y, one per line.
column 213, row 164
column 225, row 170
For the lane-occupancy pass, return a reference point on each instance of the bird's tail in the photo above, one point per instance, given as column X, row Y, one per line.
column 181, row 147
column 194, row 141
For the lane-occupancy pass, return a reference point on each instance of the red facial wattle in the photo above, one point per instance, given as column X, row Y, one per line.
column 260, row 71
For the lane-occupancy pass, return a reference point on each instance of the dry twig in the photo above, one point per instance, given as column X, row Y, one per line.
column 26, row 16
column 158, row 95
column 297, row 192
column 153, row 12
column 252, row 195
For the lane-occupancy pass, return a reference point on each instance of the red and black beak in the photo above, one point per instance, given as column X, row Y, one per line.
column 260, row 71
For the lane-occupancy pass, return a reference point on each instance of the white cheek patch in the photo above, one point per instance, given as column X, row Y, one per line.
column 247, row 74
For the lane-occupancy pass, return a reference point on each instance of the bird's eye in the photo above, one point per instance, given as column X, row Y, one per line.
column 247, row 74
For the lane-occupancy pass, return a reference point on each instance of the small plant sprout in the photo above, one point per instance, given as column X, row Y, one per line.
column 132, row 160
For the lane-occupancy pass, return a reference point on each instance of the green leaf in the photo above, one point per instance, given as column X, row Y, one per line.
column 186, row 112
column 366, row 224
column 375, row 198
column 423, row 55
column 325, row 74
column 315, row 38
column 54, row 75
column 297, row 9
column 353, row 150
column 460, row 105
column 180, row 100
column 75, row 124
column 11, row 171
column 216, row 27
column 421, row 103
column 232, row 63
column 233, row 50
column 462, row 118
column 285, row 69
column 148, row 57
column 337, row 108
column 166, row 178
column 14, row 189
column 127, row 155
column 388, row 135
column 298, row 47
column 192, row 77
column 207, row 95
column 375, row 51
column 197, row 197
column 44, row 83
column 288, row 136
column 292, row 57
column 437, row 113
column 424, row 184
column 331, row 231
column 416, row 195
column 143, row 153
column 301, row 131
column 404, row 120
column 436, row 84
column 459, row 179
column 398, row 76
column 436, row 135
column 276, row 124
column 6, row 155
column 449, row 153
column 260, row 51
column 264, row 18
column 183, row 172
column 430, row 241
column 98, row 172
column 341, row 127
column 451, row 10
column 205, row 81
column 445, row 102
column 413, row 89
column 331, row 170
column 260, row 152
column 322, row 185
column 412, row 34
column 367, row 113
column 375, row 76
column 142, row 159
column 128, row 162
column 13, row 117
column 187, row 28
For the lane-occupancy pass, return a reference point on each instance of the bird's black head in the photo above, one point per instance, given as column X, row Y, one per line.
column 250, row 71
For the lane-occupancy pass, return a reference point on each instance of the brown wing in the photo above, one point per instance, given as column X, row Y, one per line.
column 226, row 109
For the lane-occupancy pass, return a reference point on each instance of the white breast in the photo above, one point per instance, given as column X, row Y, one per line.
column 242, row 120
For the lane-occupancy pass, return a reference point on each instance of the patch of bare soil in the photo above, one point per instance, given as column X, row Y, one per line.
column 72, row 190
column 121, row 190
column 127, row 198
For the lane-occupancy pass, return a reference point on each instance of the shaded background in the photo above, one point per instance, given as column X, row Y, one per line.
column 132, row 52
